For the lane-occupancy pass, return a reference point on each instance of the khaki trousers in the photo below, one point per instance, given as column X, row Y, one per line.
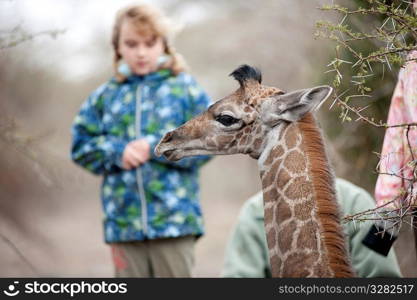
column 170, row 257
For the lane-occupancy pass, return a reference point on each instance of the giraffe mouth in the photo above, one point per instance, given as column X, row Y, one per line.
column 170, row 155
column 176, row 152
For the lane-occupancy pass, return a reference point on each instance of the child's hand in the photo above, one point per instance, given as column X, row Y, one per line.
column 136, row 152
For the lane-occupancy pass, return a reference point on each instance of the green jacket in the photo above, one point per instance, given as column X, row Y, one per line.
column 247, row 251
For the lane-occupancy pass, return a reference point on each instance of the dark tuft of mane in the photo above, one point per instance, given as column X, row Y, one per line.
column 245, row 72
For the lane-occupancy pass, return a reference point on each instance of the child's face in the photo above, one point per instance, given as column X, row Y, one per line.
column 140, row 52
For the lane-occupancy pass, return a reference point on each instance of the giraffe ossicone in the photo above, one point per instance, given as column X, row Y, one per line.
column 302, row 222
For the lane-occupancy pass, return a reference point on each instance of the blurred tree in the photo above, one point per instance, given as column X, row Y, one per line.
column 19, row 158
column 16, row 36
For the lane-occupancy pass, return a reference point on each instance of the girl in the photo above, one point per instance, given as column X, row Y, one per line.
column 152, row 213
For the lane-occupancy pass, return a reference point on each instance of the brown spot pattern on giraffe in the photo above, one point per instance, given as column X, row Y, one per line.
column 211, row 142
column 291, row 137
column 299, row 189
column 282, row 212
column 271, row 236
column 276, row 152
column 298, row 264
column 268, row 179
column 243, row 140
column 275, row 264
column 268, row 213
column 271, row 195
column 283, row 178
column 303, row 211
column 257, row 144
column 225, row 139
column 295, row 162
column 306, row 236
column 285, row 236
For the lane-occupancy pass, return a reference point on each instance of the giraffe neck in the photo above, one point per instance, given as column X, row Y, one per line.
column 302, row 223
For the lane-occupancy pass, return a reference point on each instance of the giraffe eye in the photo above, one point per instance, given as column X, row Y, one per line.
column 226, row 120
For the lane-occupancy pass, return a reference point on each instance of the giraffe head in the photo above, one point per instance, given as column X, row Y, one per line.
column 239, row 122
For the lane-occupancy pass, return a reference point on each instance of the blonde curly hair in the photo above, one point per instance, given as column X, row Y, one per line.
column 149, row 21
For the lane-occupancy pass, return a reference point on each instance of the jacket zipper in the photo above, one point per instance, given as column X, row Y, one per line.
column 139, row 178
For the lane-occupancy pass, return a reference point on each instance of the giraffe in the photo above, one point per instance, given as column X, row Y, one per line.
column 302, row 223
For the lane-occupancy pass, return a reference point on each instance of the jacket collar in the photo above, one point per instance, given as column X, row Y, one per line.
column 151, row 77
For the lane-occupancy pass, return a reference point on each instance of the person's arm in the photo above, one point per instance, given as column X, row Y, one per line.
column 366, row 262
column 196, row 101
column 388, row 187
column 246, row 252
column 91, row 148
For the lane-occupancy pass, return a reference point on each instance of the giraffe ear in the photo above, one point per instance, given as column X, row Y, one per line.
column 292, row 106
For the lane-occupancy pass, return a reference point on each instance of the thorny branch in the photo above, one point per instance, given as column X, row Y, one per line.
column 392, row 34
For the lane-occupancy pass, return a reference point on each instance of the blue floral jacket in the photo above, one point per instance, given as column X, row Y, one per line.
column 161, row 198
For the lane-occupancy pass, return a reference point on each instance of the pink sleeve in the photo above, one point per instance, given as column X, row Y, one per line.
column 388, row 187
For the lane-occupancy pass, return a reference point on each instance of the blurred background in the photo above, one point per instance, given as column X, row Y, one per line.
column 50, row 212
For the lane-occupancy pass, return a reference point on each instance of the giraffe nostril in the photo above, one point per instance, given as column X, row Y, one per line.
column 169, row 152
column 168, row 137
